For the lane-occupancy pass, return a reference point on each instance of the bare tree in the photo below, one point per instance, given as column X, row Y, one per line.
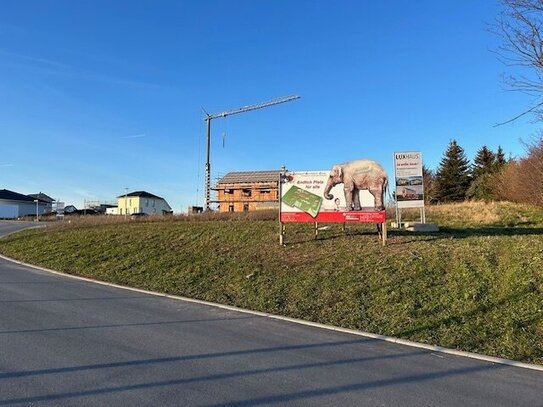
column 520, row 25
column 521, row 180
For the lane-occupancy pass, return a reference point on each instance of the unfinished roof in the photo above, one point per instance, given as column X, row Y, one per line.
column 14, row 196
column 141, row 194
column 249, row 177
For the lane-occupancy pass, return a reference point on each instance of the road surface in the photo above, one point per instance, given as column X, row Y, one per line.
column 65, row 342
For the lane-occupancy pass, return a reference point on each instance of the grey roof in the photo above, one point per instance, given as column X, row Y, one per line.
column 248, row 177
column 42, row 197
column 141, row 194
column 14, row 196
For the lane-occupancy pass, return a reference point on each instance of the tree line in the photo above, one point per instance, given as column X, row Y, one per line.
column 489, row 177
column 519, row 24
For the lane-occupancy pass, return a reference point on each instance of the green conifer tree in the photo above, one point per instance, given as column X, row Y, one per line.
column 428, row 177
column 484, row 163
column 484, row 166
column 500, row 158
column 452, row 176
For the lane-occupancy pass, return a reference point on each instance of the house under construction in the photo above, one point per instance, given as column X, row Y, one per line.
column 248, row 191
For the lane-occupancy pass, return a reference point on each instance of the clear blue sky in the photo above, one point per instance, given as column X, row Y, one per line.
column 97, row 96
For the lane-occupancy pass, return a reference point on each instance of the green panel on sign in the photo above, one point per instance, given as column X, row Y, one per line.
column 304, row 200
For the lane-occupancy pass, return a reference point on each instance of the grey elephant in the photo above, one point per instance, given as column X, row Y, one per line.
column 356, row 176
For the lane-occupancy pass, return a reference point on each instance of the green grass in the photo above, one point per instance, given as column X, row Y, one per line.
column 477, row 285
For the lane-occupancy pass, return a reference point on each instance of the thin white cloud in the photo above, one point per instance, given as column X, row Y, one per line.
column 7, row 165
column 34, row 60
column 51, row 67
column 84, row 193
column 136, row 136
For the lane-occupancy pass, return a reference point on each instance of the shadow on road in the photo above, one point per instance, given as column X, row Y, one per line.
column 223, row 376
column 333, row 390
column 276, row 399
column 79, row 328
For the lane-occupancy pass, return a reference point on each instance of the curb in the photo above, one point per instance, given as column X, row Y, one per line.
column 390, row 339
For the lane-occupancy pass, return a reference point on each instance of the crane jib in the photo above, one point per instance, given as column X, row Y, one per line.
column 242, row 109
column 251, row 107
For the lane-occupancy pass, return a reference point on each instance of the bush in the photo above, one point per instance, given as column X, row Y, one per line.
column 522, row 180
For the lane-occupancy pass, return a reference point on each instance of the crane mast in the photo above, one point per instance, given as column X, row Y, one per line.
column 226, row 113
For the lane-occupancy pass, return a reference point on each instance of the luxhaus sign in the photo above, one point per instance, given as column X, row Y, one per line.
column 409, row 190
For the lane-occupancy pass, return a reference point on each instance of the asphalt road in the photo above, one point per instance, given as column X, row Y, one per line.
column 65, row 342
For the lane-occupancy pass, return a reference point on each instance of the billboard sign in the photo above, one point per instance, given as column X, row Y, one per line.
column 58, row 207
column 409, row 189
column 303, row 200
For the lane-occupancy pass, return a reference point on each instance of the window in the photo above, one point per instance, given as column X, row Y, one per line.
column 246, row 207
column 246, row 192
column 153, row 202
column 147, row 202
column 120, row 211
column 228, row 191
column 265, row 190
column 231, row 208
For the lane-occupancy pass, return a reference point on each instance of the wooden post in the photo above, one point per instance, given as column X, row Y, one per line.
column 316, row 230
column 343, row 228
column 384, row 232
column 280, row 196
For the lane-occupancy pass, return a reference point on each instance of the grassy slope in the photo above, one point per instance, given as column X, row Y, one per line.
column 477, row 285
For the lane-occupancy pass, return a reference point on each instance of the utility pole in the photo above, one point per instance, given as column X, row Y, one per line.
column 125, row 203
column 210, row 117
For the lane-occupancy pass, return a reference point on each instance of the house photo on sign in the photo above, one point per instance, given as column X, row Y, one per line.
column 409, row 190
column 349, row 192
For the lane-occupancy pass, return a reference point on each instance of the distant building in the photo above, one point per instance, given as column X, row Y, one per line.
column 112, row 211
column 193, row 210
column 70, row 209
column 14, row 205
column 44, row 198
column 99, row 207
column 248, row 191
column 140, row 202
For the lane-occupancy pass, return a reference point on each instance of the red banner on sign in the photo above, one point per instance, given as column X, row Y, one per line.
column 335, row 217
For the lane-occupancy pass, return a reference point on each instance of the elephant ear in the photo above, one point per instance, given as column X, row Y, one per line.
column 338, row 171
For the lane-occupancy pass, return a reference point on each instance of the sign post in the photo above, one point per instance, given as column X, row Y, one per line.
column 409, row 191
column 282, row 175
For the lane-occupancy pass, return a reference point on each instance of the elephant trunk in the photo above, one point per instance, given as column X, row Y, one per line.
column 329, row 186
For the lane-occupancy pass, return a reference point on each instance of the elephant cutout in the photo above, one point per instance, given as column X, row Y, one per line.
column 356, row 176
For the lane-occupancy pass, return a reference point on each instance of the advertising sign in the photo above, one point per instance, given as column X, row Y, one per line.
column 58, row 207
column 408, row 174
column 303, row 200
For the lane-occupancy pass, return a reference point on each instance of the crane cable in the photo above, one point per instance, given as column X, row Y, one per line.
column 199, row 142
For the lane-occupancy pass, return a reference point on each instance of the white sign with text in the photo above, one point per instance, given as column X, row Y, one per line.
column 409, row 189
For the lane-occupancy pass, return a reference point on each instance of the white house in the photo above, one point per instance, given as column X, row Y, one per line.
column 140, row 202
column 14, row 205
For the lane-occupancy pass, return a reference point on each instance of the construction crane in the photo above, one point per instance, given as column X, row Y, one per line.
column 242, row 109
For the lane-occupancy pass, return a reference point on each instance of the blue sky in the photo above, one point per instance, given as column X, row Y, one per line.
column 96, row 96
